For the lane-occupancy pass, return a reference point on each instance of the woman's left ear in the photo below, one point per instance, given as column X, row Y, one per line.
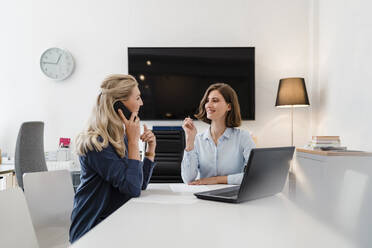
column 228, row 107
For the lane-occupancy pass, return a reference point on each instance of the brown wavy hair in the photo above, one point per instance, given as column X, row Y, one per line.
column 233, row 117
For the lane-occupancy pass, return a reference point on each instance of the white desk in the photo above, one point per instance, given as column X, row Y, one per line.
column 7, row 170
column 337, row 188
column 162, row 218
column 51, row 165
column 8, row 176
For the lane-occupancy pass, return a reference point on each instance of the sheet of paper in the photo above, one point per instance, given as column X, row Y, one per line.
column 181, row 187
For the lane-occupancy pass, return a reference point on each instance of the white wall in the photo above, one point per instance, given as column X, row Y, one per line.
column 342, row 72
column 97, row 33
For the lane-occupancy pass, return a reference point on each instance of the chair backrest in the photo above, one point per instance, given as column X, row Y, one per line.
column 170, row 144
column 50, row 197
column 29, row 154
column 16, row 228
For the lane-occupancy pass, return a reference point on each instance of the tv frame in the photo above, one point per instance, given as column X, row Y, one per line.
column 252, row 99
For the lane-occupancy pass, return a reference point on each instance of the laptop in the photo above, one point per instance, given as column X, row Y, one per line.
column 264, row 175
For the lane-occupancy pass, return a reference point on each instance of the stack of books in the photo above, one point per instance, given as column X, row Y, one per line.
column 326, row 143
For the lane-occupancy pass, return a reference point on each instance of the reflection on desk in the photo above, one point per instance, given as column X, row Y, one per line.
column 160, row 222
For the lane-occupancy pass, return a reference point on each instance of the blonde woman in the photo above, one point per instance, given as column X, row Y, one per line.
column 220, row 153
column 111, row 170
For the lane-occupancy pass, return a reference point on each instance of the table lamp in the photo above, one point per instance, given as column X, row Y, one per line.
column 292, row 93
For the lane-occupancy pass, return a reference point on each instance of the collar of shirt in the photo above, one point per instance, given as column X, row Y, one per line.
column 226, row 134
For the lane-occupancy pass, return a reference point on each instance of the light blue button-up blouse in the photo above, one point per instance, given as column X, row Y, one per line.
column 227, row 158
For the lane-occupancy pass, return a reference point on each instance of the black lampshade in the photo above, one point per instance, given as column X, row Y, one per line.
column 292, row 92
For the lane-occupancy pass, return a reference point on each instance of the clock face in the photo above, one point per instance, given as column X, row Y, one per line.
column 57, row 63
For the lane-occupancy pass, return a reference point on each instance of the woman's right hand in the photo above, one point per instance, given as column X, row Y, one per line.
column 190, row 130
column 132, row 131
column 132, row 126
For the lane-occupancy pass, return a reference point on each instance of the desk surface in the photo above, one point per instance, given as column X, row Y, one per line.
column 6, row 168
column 163, row 218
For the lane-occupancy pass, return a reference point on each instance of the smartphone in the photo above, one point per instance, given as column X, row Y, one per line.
column 119, row 105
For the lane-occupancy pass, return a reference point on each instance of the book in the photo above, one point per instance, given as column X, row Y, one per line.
column 330, row 148
column 325, row 142
column 324, row 145
column 326, row 137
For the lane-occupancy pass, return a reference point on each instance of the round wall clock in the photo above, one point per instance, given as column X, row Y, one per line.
column 57, row 63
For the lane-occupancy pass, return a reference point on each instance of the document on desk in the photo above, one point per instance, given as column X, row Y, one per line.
column 181, row 187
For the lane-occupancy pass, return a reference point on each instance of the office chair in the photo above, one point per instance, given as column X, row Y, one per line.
column 15, row 226
column 29, row 153
column 170, row 144
column 50, row 199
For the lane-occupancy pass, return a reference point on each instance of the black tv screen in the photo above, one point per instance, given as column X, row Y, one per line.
column 172, row 81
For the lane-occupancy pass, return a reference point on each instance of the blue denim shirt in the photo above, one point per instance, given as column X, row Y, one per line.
column 228, row 158
column 107, row 182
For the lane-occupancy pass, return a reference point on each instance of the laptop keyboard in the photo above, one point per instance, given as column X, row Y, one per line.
column 229, row 193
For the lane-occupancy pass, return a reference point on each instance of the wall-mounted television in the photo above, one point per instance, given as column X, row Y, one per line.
column 172, row 80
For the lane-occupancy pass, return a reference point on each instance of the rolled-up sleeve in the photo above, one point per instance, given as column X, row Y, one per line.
column 189, row 165
column 148, row 167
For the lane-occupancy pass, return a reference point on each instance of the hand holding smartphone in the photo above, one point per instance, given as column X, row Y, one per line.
column 132, row 129
column 119, row 105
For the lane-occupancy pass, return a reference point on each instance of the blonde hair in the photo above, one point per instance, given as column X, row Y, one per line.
column 104, row 122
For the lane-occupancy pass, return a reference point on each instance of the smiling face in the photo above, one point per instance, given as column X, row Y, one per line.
column 134, row 101
column 216, row 106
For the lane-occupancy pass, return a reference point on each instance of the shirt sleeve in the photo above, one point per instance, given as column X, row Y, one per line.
column 247, row 144
column 148, row 167
column 190, row 165
column 122, row 173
